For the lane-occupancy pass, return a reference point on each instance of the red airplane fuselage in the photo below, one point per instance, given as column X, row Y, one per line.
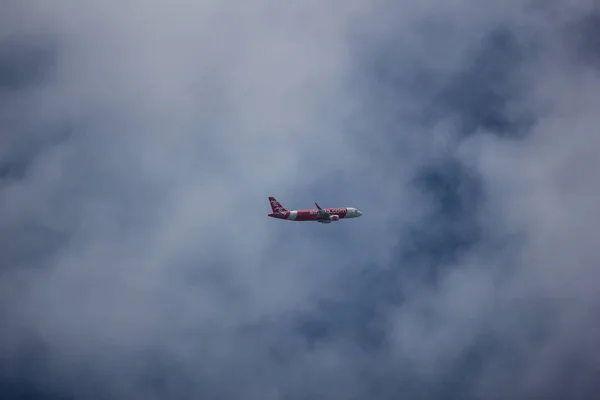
column 323, row 215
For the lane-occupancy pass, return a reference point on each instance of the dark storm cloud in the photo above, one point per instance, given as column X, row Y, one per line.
column 24, row 62
column 136, row 261
column 495, row 348
column 482, row 93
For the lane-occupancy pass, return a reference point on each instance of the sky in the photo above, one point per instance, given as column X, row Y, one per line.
column 139, row 142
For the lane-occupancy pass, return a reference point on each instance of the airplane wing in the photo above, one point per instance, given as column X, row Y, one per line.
column 322, row 213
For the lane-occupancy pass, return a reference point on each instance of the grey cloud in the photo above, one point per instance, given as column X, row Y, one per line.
column 137, row 260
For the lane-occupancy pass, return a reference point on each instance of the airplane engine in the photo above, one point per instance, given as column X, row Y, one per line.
column 335, row 217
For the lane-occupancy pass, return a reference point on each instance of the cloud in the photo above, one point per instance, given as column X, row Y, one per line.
column 141, row 141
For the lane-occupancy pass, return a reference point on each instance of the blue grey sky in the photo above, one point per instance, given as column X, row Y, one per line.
column 139, row 142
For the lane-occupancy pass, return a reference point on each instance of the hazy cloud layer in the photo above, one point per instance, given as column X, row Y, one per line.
column 139, row 142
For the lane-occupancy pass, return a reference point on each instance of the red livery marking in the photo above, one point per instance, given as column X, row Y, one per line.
column 334, row 214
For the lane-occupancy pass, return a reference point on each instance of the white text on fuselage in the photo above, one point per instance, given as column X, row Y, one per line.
column 329, row 211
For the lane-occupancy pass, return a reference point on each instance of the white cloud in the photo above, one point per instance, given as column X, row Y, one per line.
column 187, row 115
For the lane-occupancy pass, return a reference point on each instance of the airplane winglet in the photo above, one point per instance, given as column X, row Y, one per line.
column 318, row 206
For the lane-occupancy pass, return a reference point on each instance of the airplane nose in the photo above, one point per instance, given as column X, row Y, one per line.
column 358, row 213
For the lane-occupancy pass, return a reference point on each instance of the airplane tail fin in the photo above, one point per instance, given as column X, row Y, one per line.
column 276, row 206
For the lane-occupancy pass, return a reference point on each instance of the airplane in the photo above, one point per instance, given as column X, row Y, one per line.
column 321, row 215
